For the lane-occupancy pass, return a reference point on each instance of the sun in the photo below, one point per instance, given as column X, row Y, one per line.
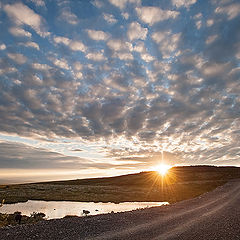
column 162, row 169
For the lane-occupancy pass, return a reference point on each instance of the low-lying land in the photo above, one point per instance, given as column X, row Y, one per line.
column 10, row 219
column 179, row 184
column 214, row 215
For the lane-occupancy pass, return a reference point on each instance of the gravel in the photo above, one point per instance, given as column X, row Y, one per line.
column 213, row 215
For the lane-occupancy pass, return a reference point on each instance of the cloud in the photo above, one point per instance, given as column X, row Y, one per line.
column 23, row 15
column 118, row 3
column 97, row 35
column 231, row 10
column 31, row 45
column 109, row 18
column 183, row 3
column 135, row 31
column 17, row 57
column 215, row 69
column 210, row 22
column 39, row 66
column 167, row 42
column 211, row 39
column 78, row 66
column 75, row 45
column 96, row 56
column 122, row 3
column 97, row 3
column 69, row 17
column 2, row 46
column 62, row 63
column 6, row 67
column 120, row 49
column 19, row 32
column 27, row 157
column 119, row 45
column 139, row 47
column 63, row 40
column 125, row 15
column 77, row 150
column 152, row 15
column 39, row 3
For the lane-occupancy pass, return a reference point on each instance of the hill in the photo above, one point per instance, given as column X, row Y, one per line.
column 175, row 175
column 180, row 183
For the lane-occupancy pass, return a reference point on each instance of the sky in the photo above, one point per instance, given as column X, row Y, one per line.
column 108, row 87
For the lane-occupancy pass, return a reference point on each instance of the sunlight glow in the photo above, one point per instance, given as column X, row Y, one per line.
column 163, row 169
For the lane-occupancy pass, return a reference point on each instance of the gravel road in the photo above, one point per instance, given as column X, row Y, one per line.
column 214, row 215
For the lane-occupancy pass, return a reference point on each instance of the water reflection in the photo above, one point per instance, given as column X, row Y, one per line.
column 59, row 209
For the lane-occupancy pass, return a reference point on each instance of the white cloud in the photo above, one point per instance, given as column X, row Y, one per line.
column 97, row 35
column 19, row 32
column 68, row 16
column 210, row 22
column 118, row 45
column 198, row 19
column 215, row 69
column 122, row 3
column 232, row 10
column 7, row 70
column 125, row 15
column 78, row 66
column 17, row 57
column 135, row 31
column 118, row 3
column 197, row 16
column 2, row 46
column 39, row 3
column 139, row 47
column 62, row 63
column 78, row 75
column 39, row 66
column 31, row 44
column 62, row 40
column 97, row 3
column 147, row 57
column 198, row 24
column 167, row 43
column 22, row 14
column 120, row 49
column 77, row 46
column 123, row 55
column 96, row 56
column 183, row 3
column 211, row 39
column 152, row 15
column 109, row 18
column 74, row 45
column 238, row 55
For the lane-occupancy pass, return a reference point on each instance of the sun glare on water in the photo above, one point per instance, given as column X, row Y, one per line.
column 163, row 169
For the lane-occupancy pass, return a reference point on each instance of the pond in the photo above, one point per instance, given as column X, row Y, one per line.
column 59, row 209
